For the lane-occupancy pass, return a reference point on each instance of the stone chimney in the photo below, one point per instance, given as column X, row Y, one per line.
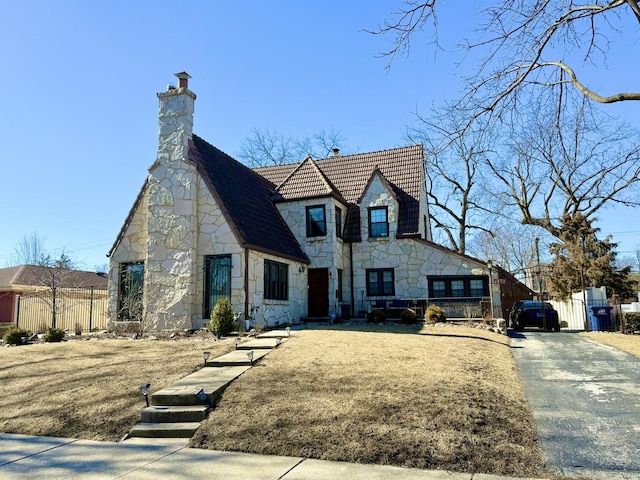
column 175, row 122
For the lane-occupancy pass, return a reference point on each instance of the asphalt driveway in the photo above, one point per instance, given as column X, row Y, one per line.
column 585, row 398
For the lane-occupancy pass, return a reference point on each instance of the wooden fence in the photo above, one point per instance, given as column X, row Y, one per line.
column 83, row 309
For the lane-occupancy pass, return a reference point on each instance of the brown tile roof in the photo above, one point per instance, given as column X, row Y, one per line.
column 247, row 200
column 348, row 175
column 34, row 275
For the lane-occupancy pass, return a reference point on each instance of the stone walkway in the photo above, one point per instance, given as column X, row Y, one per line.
column 176, row 411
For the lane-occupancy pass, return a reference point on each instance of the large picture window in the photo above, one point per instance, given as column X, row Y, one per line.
column 316, row 221
column 378, row 222
column 130, row 295
column 380, row 282
column 217, row 281
column 276, row 283
column 458, row 287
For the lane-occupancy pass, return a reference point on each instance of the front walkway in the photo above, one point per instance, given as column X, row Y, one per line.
column 585, row 398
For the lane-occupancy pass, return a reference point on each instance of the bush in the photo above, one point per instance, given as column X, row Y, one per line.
column 376, row 316
column 408, row 317
column 15, row 335
column 54, row 335
column 435, row 314
column 222, row 322
column 631, row 322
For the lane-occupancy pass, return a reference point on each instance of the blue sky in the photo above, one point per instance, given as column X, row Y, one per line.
column 78, row 119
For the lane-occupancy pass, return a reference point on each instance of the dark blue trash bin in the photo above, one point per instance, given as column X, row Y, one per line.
column 600, row 318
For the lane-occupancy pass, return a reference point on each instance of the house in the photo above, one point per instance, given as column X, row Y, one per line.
column 322, row 237
column 25, row 296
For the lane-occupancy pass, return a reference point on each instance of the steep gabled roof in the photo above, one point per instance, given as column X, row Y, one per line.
column 306, row 180
column 247, row 201
column 35, row 275
column 401, row 167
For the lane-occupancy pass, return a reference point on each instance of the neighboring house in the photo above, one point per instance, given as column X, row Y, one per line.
column 321, row 237
column 25, row 293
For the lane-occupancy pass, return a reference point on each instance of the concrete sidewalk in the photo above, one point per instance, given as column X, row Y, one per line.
column 25, row 457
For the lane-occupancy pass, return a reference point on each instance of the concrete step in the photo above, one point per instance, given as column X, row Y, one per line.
column 165, row 430
column 213, row 380
column 174, row 414
column 275, row 334
column 259, row 343
column 237, row 358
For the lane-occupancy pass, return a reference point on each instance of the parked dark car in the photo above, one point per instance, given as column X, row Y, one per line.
column 534, row 313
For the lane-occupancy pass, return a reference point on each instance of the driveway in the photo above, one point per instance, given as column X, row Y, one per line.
column 585, row 398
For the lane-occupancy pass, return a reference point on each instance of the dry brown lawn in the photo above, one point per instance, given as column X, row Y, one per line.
column 448, row 398
column 89, row 388
column 626, row 343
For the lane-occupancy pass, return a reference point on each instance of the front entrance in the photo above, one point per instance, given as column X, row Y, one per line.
column 318, row 292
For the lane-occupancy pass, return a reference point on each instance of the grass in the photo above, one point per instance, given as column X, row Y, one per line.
column 443, row 398
column 626, row 343
column 89, row 389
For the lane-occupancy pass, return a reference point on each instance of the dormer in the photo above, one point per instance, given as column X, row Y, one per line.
column 379, row 208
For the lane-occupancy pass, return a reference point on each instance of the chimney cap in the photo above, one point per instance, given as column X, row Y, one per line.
column 336, row 152
column 184, row 75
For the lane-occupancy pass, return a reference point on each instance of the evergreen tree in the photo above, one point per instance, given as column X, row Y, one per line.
column 582, row 260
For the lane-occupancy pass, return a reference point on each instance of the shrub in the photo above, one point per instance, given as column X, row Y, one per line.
column 408, row 317
column 54, row 335
column 631, row 322
column 435, row 314
column 15, row 335
column 376, row 316
column 222, row 322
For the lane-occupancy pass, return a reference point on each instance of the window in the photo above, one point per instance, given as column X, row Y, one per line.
column 476, row 287
column 276, row 284
column 316, row 222
column 380, row 282
column 338, row 222
column 438, row 289
column 130, row 300
column 378, row 224
column 458, row 287
column 217, row 281
column 339, row 291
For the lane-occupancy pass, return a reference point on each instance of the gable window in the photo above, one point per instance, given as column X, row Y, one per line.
column 378, row 222
column 380, row 281
column 338, row 222
column 217, row 281
column 316, row 221
column 459, row 287
column 130, row 300
column 276, row 284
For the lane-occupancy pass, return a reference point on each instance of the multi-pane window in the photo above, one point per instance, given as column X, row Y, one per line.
column 217, row 281
column 378, row 222
column 276, row 284
column 458, row 287
column 130, row 300
column 338, row 222
column 380, row 281
column 476, row 287
column 316, row 221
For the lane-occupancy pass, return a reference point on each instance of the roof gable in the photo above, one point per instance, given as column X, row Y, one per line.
column 306, row 180
column 403, row 169
column 247, row 200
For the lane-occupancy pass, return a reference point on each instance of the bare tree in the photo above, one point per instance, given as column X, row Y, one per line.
column 453, row 171
column 524, row 44
column 266, row 147
column 565, row 163
column 30, row 250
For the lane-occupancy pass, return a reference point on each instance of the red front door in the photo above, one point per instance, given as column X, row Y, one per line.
column 318, row 292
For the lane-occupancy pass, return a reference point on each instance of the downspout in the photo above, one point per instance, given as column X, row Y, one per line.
column 353, row 305
column 246, row 283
